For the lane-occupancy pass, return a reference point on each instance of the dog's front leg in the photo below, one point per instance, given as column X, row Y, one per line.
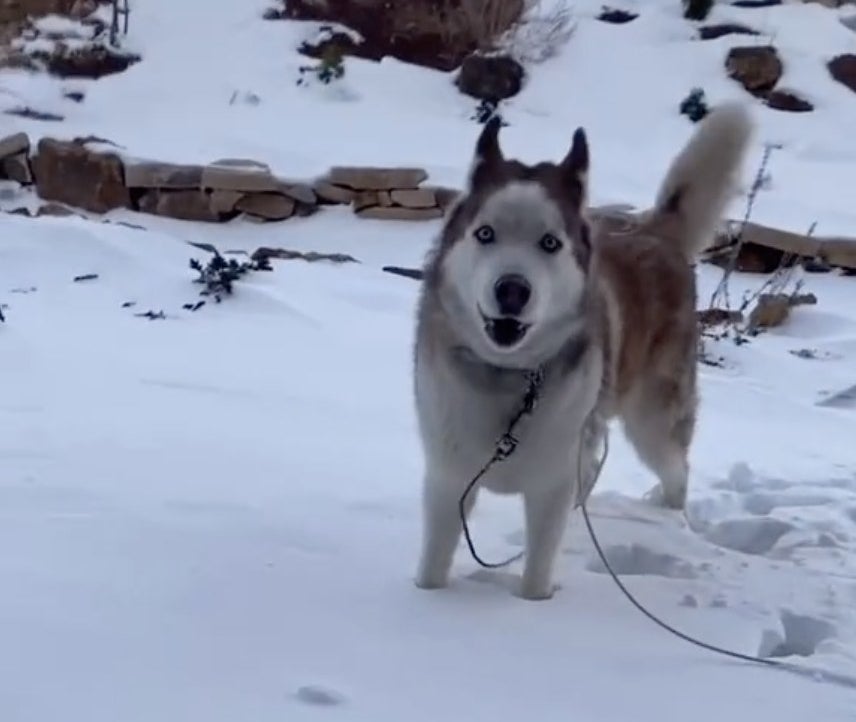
column 441, row 529
column 546, row 515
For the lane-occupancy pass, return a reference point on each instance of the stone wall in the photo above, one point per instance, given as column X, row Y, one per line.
column 90, row 174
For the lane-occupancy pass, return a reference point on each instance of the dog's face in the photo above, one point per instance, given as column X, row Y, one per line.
column 514, row 255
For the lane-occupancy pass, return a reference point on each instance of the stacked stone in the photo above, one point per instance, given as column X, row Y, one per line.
column 384, row 193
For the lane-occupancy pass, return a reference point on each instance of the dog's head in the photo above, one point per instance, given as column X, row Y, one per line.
column 514, row 254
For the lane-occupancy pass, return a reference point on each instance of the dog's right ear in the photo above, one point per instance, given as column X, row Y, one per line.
column 488, row 154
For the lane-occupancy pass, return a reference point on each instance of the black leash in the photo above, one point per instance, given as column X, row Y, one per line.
column 507, row 445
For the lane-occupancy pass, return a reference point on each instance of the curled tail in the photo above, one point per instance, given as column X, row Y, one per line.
column 702, row 178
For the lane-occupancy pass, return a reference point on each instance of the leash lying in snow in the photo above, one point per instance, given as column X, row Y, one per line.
column 507, row 445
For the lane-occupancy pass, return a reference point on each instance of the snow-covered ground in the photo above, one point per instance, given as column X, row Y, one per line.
column 216, row 516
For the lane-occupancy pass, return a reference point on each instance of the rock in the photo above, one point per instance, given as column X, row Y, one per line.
column 771, row 310
column 186, row 205
column 145, row 174
column 616, row 16
column 712, row 32
column 17, row 168
column 367, row 199
column 840, row 252
column 14, row 144
column 329, row 193
column 419, row 198
column 756, row 68
column 785, row 100
column 55, row 210
column 396, row 213
column 490, row 77
column 68, row 172
column 224, row 202
column 270, row 206
column 92, row 62
column 756, row 3
column 445, row 196
column 843, row 69
column 370, row 178
column 236, row 174
column 299, row 192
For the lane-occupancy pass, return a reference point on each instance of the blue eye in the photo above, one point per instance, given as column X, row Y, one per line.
column 549, row 243
column 485, row 234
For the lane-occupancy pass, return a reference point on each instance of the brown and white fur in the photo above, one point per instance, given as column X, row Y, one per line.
column 520, row 279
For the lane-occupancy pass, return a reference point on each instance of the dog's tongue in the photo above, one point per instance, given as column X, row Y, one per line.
column 505, row 331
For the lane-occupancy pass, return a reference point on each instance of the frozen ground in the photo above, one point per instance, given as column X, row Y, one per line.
column 215, row 517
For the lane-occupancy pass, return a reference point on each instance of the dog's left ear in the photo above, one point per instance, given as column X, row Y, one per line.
column 575, row 165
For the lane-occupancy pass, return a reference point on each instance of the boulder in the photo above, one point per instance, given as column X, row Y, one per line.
column 269, row 206
column 616, row 16
column 224, row 201
column 237, row 174
column 68, row 172
column 840, row 252
column 419, row 198
column 145, row 174
column 186, row 205
column 369, row 199
column 17, row 168
column 490, row 77
column 329, row 193
column 756, row 68
column 843, row 69
column 370, row 178
column 445, row 196
column 712, row 32
column 397, row 213
column 787, row 101
column 14, row 144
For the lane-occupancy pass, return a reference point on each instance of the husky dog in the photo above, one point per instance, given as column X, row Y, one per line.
column 520, row 279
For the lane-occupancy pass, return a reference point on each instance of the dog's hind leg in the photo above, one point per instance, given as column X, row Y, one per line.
column 546, row 515
column 441, row 530
column 659, row 421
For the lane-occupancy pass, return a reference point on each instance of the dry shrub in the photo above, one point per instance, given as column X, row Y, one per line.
column 529, row 30
column 462, row 26
column 441, row 33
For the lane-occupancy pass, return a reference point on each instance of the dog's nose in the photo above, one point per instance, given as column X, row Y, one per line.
column 512, row 294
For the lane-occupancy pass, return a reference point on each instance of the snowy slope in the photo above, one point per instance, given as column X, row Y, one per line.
column 216, row 516
column 623, row 82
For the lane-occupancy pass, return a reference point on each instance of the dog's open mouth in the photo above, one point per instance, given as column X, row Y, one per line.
column 504, row 331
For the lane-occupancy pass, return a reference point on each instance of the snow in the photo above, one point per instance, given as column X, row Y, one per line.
column 216, row 516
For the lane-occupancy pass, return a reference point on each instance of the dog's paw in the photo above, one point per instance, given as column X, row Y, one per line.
column 536, row 592
column 429, row 583
column 657, row 497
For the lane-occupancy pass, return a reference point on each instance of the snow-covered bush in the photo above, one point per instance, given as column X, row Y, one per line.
column 543, row 28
